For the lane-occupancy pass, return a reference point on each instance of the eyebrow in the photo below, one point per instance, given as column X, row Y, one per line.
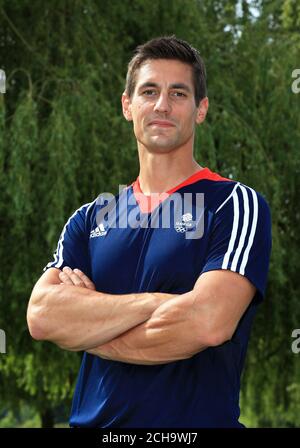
column 177, row 85
column 181, row 86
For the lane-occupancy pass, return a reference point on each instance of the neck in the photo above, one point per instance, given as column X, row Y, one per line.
column 159, row 172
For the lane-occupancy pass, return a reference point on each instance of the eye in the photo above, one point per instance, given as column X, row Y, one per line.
column 178, row 94
column 149, row 92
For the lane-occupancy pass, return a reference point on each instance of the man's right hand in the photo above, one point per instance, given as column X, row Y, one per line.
column 75, row 277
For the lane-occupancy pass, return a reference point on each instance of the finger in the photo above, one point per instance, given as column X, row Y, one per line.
column 88, row 283
column 64, row 278
column 73, row 277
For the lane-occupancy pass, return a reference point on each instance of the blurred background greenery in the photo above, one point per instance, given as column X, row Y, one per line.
column 63, row 140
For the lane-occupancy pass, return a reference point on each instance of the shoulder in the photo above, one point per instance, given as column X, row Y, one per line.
column 245, row 213
column 83, row 211
column 221, row 193
column 79, row 219
column 238, row 195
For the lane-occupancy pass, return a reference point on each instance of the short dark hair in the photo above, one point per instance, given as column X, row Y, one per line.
column 168, row 47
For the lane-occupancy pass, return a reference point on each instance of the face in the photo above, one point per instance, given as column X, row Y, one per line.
column 162, row 107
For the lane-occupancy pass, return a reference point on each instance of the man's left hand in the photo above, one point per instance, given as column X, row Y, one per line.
column 76, row 277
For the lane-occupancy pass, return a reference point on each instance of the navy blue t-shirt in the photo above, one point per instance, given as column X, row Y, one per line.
column 206, row 223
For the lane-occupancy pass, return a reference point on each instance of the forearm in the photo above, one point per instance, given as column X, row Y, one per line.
column 205, row 317
column 143, row 346
column 170, row 334
column 78, row 319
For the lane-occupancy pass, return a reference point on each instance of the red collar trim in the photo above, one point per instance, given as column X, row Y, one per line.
column 148, row 203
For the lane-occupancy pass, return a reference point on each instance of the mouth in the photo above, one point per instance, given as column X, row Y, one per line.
column 161, row 123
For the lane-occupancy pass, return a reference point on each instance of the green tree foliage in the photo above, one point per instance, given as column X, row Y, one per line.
column 63, row 140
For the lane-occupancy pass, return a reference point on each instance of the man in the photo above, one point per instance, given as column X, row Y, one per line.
column 162, row 313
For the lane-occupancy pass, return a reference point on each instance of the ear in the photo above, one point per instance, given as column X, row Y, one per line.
column 126, row 106
column 202, row 110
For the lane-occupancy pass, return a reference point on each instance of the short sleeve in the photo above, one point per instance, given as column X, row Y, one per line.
column 72, row 248
column 241, row 238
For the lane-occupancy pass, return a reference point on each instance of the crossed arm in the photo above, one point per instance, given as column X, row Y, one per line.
column 146, row 328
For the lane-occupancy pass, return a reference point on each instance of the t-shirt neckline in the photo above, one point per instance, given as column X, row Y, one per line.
column 147, row 203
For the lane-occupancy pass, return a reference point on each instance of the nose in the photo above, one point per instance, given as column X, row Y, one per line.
column 162, row 104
